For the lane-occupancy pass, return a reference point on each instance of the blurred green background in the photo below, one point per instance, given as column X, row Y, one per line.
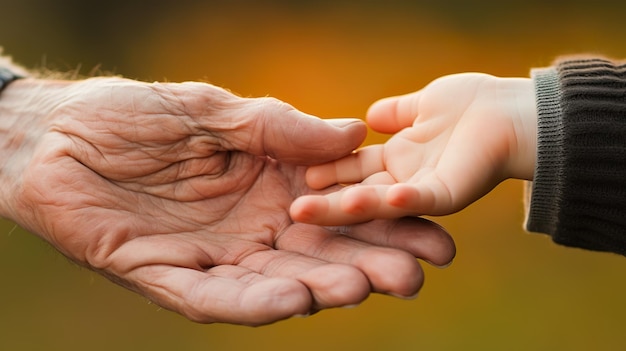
column 507, row 289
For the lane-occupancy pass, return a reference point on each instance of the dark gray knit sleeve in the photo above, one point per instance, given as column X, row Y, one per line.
column 578, row 193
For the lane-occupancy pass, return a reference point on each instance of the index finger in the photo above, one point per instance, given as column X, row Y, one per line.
column 353, row 168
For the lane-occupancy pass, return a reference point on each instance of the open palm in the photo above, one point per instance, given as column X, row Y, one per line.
column 181, row 192
column 455, row 140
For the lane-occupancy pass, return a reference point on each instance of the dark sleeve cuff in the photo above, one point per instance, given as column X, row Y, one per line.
column 578, row 194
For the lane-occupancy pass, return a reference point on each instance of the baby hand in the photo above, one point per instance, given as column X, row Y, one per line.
column 454, row 141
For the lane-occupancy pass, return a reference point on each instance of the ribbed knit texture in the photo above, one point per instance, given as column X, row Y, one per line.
column 579, row 188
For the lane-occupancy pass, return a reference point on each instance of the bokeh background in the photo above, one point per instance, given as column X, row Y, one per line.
column 507, row 289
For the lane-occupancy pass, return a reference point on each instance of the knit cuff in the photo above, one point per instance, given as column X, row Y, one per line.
column 543, row 194
column 579, row 193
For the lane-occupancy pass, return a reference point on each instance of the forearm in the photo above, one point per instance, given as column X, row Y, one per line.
column 578, row 194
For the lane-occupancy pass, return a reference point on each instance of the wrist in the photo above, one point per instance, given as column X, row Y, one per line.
column 24, row 106
column 523, row 114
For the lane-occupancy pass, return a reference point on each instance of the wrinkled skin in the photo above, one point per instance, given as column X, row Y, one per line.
column 181, row 193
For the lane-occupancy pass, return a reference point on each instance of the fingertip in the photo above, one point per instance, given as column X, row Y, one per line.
column 440, row 266
column 393, row 272
column 440, row 250
column 438, row 247
column 392, row 114
column 380, row 115
column 336, row 285
column 344, row 123
column 320, row 176
column 402, row 195
column 353, row 131
column 442, row 255
column 303, row 209
column 305, row 139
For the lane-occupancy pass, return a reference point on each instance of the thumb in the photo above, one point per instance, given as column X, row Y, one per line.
column 392, row 114
column 267, row 126
column 284, row 133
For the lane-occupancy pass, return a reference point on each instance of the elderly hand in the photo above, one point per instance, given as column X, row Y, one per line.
column 181, row 193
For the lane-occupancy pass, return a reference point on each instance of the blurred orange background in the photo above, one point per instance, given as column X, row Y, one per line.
column 506, row 290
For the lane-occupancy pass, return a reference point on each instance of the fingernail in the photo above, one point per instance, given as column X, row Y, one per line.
column 303, row 315
column 343, row 122
column 403, row 297
column 350, row 306
column 443, row 266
